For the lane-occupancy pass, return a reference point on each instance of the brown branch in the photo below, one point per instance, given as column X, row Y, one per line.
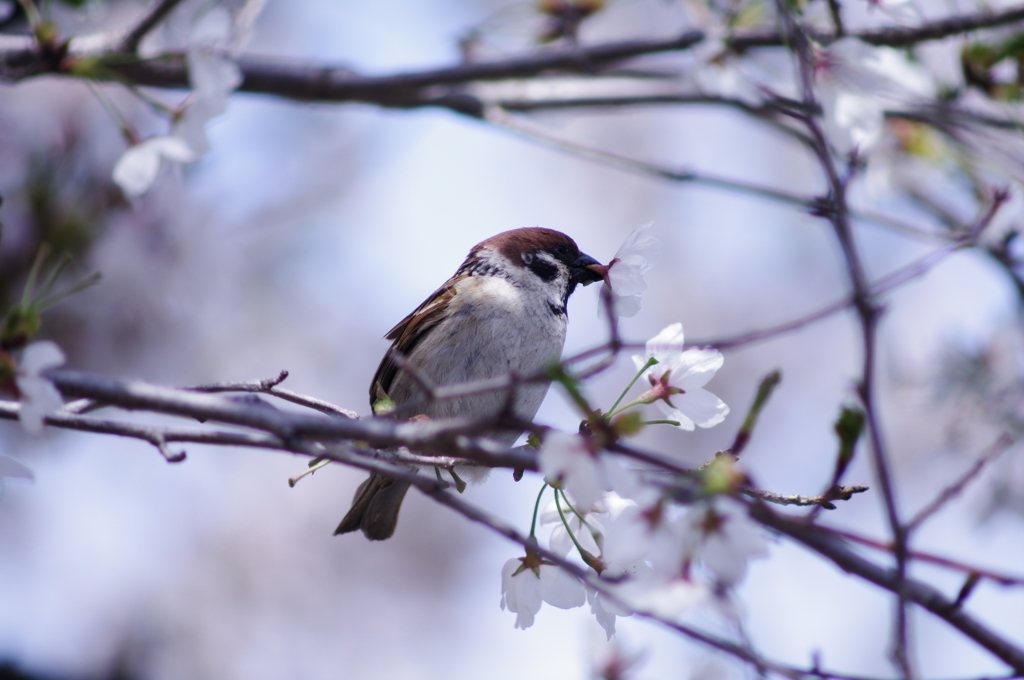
column 156, row 13
column 445, row 437
column 20, row 59
column 892, row 36
column 270, row 386
column 836, row 493
column 1001, row 579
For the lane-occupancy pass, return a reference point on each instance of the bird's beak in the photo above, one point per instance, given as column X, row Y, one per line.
column 587, row 270
column 601, row 270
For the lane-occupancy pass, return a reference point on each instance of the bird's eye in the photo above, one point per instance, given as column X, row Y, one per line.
column 561, row 250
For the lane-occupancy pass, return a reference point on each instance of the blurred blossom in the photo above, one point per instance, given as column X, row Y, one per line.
column 678, row 379
column 9, row 467
column 213, row 76
column 606, row 609
column 560, row 542
column 717, row 72
column 668, row 599
column 569, row 462
column 137, row 169
column 635, row 257
column 610, row 661
column 528, row 582
column 636, row 534
column 855, row 83
column 39, row 397
column 724, row 537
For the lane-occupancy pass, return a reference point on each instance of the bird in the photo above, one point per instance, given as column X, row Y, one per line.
column 502, row 313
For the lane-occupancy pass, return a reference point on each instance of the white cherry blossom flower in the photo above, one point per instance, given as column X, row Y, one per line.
column 560, row 542
column 39, row 397
column 636, row 534
column 568, row 462
column 856, row 81
column 635, row 257
column 724, row 538
column 668, row 599
column 9, row 467
column 213, row 76
column 528, row 582
column 137, row 169
column 678, row 379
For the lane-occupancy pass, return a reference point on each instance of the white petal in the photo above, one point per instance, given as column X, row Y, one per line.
column 639, row 362
column 212, row 27
column 627, row 278
column 675, row 414
column 667, row 346
column 702, row 407
column 559, row 589
column 639, row 245
column 137, row 168
column 668, row 600
column 213, row 75
column 9, row 467
column 725, row 553
column 564, row 457
column 627, row 538
column 520, row 593
column 633, row 260
column 627, row 305
column 694, row 368
column 605, row 618
column 39, row 356
column 39, row 398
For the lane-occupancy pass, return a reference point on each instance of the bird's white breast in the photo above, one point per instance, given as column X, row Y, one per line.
column 493, row 328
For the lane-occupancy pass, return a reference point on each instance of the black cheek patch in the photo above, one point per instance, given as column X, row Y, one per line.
column 545, row 271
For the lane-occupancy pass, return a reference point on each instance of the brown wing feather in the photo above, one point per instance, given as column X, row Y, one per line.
column 410, row 331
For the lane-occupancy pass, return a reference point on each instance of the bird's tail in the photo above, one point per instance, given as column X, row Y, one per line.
column 375, row 508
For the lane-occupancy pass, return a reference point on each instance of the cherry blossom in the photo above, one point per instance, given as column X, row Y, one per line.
column 568, row 461
column 678, row 379
column 625, row 276
column 560, row 542
column 855, row 83
column 528, row 582
column 39, row 397
column 724, row 538
column 213, row 76
column 137, row 169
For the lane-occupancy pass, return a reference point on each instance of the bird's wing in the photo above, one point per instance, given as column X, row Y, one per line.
column 410, row 331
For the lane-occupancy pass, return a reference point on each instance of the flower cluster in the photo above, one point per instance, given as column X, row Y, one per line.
column 213, row 76
column 644, row 552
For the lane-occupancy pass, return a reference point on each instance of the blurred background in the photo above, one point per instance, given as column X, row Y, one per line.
column 310, row 229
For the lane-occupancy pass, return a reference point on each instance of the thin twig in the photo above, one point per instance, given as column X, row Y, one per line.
column 156, row 13
column 836, row 493
column 830, row 544
column 1002, row 579
column 1004, row 442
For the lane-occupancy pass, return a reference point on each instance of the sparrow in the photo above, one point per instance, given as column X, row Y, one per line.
column 502, row 313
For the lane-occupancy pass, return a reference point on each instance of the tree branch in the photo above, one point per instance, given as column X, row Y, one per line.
column 831, row 546
column 156, row 13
